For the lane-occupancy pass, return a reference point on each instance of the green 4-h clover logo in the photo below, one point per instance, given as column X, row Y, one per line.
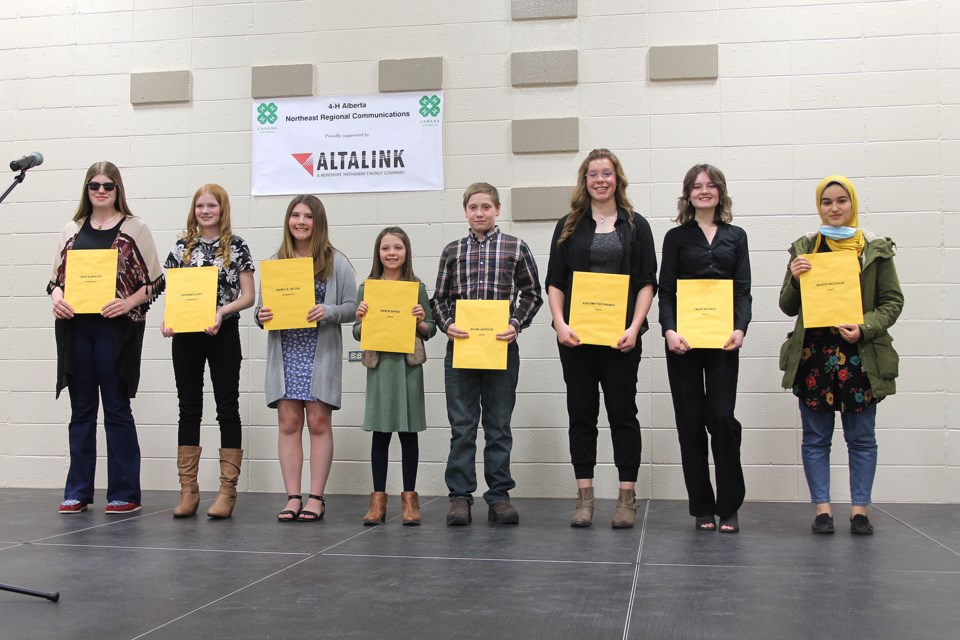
column 268, row 113
column 429, row 106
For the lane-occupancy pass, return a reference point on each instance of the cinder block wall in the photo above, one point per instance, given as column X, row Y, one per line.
column 776, row 95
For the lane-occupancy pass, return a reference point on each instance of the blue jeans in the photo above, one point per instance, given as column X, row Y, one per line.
column 859, row 431
column 97, row 377
column 473, row 394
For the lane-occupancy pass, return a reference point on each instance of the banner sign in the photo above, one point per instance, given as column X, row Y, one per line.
column 348, row 144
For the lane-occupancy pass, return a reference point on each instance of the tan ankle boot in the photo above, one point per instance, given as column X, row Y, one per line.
column 378, row 509
column 626, row 511
column 410, row 504
column 583, row 516
column 222, row 507
column 188, row 462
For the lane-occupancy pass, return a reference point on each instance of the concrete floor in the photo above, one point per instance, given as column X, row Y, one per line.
column 147, row 575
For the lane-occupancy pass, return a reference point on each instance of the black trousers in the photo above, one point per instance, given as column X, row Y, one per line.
column 587, row 369
column 191, row 352
column 703, row 384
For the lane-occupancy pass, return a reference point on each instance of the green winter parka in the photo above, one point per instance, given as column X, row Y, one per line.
column 882, row 304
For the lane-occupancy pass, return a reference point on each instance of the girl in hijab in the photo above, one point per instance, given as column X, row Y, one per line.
column 848, row 368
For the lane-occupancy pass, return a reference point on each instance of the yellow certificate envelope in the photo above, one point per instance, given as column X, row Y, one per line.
column 705, row 312
column 483, row 319
column 598, row 307
column 90, row 279
column 389, row 324
column 830, row 291
column 191, row 299
column 287, row 290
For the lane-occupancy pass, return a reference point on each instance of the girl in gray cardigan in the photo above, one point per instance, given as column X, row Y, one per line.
column 304, row 366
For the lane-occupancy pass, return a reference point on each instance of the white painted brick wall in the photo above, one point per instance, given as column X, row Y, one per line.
column 870, row 89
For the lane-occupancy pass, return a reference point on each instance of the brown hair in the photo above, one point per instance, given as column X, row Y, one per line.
column 685, row 210
column 580, row 198
column 111, row 171
column 406, row 271
column 481, row 187
column 192, row 233
column 320, row 248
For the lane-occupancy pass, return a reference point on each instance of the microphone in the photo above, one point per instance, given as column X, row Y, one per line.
column 35, row 159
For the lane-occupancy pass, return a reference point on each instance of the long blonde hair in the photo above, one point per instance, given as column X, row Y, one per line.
column 192, row 233
column 111, row 171
column 580, row 198
column 320, row 248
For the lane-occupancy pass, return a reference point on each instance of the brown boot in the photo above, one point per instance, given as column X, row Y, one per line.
column 222, row 507
column 188, row 462
column 378, row 509
column 626, row 511
column 410, row 503
column 583, row 516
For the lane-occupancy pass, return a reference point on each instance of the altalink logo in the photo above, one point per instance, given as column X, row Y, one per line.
column 268, row 113
column 429, row 106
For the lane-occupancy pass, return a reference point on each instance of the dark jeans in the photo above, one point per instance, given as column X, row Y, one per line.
column 98, row 377
column 191, row 351
column 703, row 385
column 587, row 369
column 472, row 395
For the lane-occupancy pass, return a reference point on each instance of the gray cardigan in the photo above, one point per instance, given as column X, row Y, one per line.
column 339, row 307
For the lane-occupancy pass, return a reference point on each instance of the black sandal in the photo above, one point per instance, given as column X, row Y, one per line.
column 290, row 512
column 313, row 516
column 730, row 521
column 705, row 523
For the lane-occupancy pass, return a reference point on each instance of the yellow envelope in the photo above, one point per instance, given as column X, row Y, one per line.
column 191, row 299
column 90, row 279
column 389, row 324
column 287, row 290
column 598, row 307
column 705, row 312
column 830, row 291
column 483, row 319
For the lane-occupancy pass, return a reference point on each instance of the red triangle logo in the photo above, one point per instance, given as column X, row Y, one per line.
column 305, row 160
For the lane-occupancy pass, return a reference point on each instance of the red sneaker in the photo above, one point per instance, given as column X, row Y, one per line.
column 121, row 506
column 68, row 507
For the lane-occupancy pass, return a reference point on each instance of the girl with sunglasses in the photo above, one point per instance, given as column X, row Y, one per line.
column 98, row 355
column 209, row 241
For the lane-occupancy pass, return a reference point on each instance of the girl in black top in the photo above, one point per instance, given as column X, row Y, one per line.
column 602, row 234
column 703, row 382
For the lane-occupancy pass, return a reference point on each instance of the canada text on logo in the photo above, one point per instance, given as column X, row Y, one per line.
column 268, row 113
column 429, row 106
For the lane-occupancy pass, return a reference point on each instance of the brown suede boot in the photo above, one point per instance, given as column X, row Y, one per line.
column 378, row 509
column 410, row 503
column 188, row 462
column 222, row 507
column 583, row 516
column 626, row 511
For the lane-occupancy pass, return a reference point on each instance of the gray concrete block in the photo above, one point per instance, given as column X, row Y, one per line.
column 542, row 9
column 546, row 135
column 411, row 74
column 689, row 62
column 537, row 68
column 539, row 203
column 161, row 87
column 281, row 81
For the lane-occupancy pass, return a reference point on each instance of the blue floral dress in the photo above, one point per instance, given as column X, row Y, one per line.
column 299, row 348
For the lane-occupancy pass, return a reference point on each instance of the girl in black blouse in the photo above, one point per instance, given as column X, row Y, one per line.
column 703, row 382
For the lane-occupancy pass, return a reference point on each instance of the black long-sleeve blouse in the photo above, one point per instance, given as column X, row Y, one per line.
column 686, row 255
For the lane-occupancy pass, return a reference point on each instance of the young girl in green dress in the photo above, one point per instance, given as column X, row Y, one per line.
column 394, row 399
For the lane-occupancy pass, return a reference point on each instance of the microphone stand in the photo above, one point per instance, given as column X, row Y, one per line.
column 55, row 596
column 16, row 180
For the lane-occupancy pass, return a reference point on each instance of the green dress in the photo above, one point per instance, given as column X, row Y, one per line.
column 394, row 399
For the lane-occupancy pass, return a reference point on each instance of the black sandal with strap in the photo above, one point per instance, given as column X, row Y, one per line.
column 313, row 516
column 290, row 512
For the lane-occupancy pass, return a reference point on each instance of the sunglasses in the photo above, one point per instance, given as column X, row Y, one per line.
column 107, row 186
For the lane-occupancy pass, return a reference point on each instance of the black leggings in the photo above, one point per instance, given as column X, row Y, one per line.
column 410, row 458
